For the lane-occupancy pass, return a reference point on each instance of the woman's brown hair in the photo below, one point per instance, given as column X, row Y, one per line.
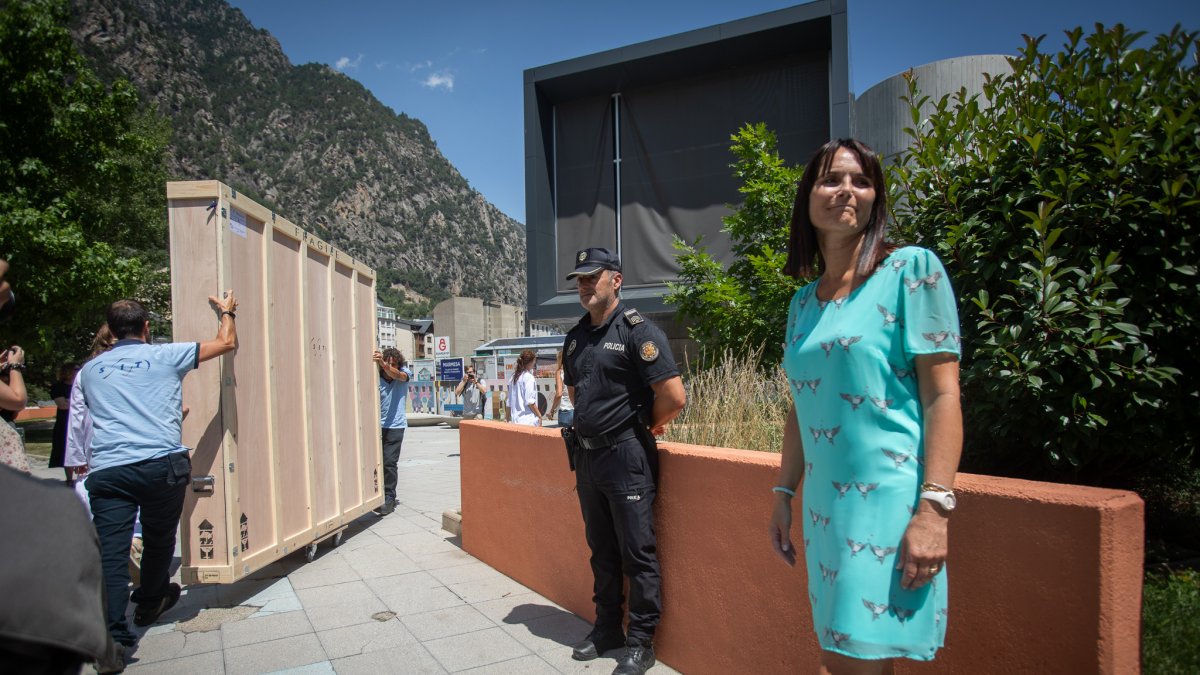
column 524, row 363
column 804, row 256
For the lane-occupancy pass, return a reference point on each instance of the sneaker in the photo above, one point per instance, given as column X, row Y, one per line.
column 638, row 658
column 596, row 643
column 387, row 508
column 148, row 612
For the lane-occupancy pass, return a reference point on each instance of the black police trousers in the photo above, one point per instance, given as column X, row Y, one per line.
column 616, row 493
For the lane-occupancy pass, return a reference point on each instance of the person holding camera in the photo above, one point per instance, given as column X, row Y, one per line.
column 473, row 393
column 394, row 375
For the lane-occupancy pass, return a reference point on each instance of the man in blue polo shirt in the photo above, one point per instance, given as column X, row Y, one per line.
column 394, row 375
column 134, row 393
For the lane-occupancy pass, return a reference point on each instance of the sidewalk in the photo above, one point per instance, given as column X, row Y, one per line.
column 398, row 596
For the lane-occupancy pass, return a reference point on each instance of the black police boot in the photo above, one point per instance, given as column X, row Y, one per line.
column 387, row 507
column 637, row 659
column 597, row 642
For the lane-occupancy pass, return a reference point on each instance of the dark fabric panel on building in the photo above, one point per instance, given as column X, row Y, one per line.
column 584, row 183
column 676, row 178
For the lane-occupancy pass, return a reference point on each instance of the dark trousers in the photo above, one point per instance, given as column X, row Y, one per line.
column 616, row 494
column 392, row 440
column 157, row 487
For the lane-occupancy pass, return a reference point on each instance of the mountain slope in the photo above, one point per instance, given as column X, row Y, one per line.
column 307, row 141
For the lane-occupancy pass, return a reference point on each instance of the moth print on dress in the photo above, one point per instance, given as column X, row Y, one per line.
column 828, row 347
column 888, row 317
column 930, row 282
column 827, row 433
column 898, row 457
column 903, row 614
column 882, row 403
column 809, row 467
column 836, row 638
column 842, row 488
column 845, row 342
column 855, row 546
column 795, row 339
column 902, row 373
column 912, row 510
column 937, row 338
column 895, row 265
column 817, row 518
column 881, row 552
column 810, row 384
column 877, row 609
column 942, row 614
column 854, row 400
column 836, row 302
column 865, row 488
column 828, row 573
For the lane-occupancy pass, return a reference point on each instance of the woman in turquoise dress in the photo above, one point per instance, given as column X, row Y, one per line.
column 875, row 434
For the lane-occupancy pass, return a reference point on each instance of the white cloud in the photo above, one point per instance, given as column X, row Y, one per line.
column 346, row 63
column 439, row 81
column 420, row 66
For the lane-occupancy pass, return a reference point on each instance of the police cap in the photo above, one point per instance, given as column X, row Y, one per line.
column 591, row 260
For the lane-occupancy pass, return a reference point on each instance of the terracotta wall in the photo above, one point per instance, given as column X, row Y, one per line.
column 1044, row 578
column 46, row 413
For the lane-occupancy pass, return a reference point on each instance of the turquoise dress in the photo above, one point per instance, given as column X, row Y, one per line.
column 853, row 380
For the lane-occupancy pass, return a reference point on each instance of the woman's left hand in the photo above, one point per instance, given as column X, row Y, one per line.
column 924, row 547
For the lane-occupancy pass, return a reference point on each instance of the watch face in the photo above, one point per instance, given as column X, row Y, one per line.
column 949, row 501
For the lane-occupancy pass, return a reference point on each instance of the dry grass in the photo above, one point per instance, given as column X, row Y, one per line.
column 732, row 403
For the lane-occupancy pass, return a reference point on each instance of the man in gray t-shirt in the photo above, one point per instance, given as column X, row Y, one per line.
column 473, row 393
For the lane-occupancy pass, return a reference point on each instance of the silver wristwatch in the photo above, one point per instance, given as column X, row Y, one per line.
column 940, row 495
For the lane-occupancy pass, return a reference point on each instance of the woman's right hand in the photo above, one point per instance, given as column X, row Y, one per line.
column 781, row 526
column 15, row 355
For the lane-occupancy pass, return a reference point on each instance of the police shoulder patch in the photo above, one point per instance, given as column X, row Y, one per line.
column 632, row 317
column 649, row 351
column 571, row 348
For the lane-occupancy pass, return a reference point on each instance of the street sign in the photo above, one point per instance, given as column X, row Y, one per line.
column 450, row 370
column 441, row 346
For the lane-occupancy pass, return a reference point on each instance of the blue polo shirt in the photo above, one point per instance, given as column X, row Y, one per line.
column 134, row 393
column 392, row 396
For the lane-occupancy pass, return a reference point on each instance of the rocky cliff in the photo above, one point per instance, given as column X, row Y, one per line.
column 308, row 142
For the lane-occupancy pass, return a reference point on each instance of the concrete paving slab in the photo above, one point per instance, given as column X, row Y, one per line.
column 265, row 629
column 525, row 665
column 554, row 631
column 516, row 608
column 476, row 571
column 209, row 663
column 472, row 650
column 407, row 660
column 334, row 594
column 266, row 657
column 349, row 613
column 446, row 622
column 321, row 668
column 367, row 637
column 175, row 645
column 487, row 589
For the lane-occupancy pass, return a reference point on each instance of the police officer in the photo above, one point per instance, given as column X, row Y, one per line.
column 625, row 386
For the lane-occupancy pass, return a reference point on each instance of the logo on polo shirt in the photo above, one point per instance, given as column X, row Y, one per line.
column 124, row 366
column 571, row 348
column 649, row 351
column 614, row 346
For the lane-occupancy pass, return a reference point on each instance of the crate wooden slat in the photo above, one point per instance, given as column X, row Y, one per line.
column 287, row 426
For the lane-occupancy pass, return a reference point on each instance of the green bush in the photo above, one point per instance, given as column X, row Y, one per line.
column 1066, row 204
column 1170, row 629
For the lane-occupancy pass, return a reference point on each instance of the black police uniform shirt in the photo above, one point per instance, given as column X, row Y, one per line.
column 612, row 367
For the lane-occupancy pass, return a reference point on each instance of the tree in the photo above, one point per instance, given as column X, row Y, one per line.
column 1066, row 203
column 745, row 307
column 81, row 186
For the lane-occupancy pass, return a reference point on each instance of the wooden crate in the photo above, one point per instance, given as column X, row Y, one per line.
column 285, row 430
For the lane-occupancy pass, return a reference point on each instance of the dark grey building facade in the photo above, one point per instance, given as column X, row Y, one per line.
column 629, row 148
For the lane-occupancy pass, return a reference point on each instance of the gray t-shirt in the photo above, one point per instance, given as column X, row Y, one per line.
column 472, row 400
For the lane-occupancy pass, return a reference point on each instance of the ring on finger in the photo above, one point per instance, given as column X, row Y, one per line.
column 934, row 569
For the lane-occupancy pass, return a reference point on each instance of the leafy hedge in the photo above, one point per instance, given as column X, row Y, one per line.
column 1065, row 203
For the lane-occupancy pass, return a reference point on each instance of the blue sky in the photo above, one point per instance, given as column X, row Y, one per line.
column 457, row 66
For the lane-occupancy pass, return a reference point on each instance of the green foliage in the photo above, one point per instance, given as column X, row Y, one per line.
column 744, row 307
column 1066, row 204
column 415, row 281
column 81, row 186
column 1170, row 631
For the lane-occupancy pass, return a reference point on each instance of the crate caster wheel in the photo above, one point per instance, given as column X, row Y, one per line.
column 337, row 539
column 310, row 552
